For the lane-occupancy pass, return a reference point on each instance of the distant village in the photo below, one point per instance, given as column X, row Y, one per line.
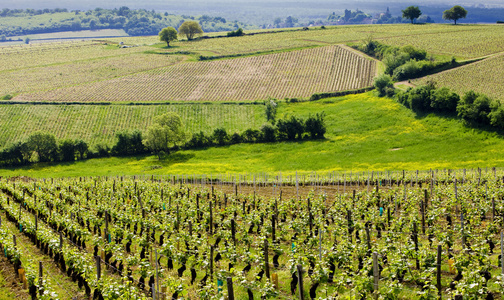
column 349, row 17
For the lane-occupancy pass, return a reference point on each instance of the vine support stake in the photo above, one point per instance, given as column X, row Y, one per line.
column 230, row 288
column 98, row 268
column 376, row 274
column 266, row 260
column 41, row 276
column 438, row 270
column 211, row 262
column 300, row 281
column 157, row 274
column 211, row 218
column 502, row 252
column 14, row 240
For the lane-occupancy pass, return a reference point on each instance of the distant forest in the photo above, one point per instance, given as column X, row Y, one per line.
column 135, row 22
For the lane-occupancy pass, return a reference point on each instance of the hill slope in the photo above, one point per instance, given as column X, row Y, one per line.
column 364, row 133
column 289, row 74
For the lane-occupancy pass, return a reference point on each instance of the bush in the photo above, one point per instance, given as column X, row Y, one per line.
column 444, row 100
column 315, row 126
column 220, row 136
column 474, row 108
column 289, row 128
column 236, row 138
column 102, row 150
column 270, row 110
column 199, row 140
column 251, row 135
column 129, row 143
column 382, row 83
column 268, row 133
column 238, row 32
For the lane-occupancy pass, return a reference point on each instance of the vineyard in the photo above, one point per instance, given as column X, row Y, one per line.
column 482, row 77
column 460, row 41
column 392, row 235
column 98, row 124
column 80, row 72
column 288, row 74
column 27, row 56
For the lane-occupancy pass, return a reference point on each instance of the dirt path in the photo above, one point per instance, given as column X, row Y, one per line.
column 404, row 83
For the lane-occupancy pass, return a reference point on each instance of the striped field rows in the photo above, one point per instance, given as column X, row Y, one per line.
column 288, row 74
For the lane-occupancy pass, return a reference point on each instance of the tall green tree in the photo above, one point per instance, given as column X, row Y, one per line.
column 167, row 131
column 412, row 13
column 167, row 35
column 43, row 145
column 455, row 13
column 190, row 29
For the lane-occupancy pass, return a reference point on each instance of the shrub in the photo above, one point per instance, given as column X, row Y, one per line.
column 102, row 150
column 268, row 133
column 251, row 135
column 444, row 100
column 220, row 136
column 381, row 83
column 289, row 128
column 315, row 125
column 198, row 140
column 236, row 138
column 238, row 32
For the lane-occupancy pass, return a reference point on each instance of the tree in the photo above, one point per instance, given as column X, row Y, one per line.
column 315, row 126
column 455, row 13
column 411, row 12
column 167, row 35
column 220, row 136
column 67, row 149
column 44, row 145
column 190, row 29
column 382, row 83
column 166, row 132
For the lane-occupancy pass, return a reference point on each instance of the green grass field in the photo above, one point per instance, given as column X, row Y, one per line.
column 97, row 124
column 364, row 133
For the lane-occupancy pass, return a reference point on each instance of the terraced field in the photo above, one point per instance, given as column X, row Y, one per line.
column 98, row 123
column 484, row 77
column 286, row 74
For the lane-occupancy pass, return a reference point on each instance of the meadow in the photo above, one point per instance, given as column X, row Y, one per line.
column 282, row 75
column 98, row 124
column 364, row 133
column 483, row 77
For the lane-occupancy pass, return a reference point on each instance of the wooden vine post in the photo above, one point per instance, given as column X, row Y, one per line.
column 376, row 275
column 98, row 268
column 266, row 259
column 41, row 278
column 438, row 270
column 230, row 288
column 300, row 281
column 415, row 240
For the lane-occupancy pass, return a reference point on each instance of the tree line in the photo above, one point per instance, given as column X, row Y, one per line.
column 405, row 62
column 475, row 109
column 166, row 134
column 134, row 21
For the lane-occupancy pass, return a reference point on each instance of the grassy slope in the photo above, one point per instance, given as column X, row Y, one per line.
column 365, row 133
